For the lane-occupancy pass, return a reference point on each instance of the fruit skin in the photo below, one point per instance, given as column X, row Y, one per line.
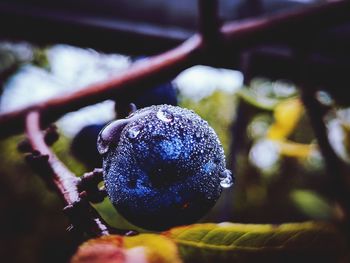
column 164, row 169
column 83, row 146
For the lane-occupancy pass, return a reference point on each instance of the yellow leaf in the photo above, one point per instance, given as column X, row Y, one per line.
column 293, row 149
column 158, row 248
column 286, row 114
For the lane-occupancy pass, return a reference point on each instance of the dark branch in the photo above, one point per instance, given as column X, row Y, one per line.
column 82, row 215
column 209, row 23
column 290, row 27
column 88, row 186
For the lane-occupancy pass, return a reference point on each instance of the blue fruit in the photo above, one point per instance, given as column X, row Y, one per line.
column 163, row 166
column 84, row 143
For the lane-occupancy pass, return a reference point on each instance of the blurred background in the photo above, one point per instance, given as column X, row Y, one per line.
column 256, row 110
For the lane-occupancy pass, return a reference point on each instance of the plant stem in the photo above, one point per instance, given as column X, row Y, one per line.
column 82, row 215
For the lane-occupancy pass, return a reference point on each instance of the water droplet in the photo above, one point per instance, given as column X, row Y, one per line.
column 198, row 136
column 110, row 134
column 217, row 160
column 130, row 115
column 102, row 145
column 324, row 98
column 226, row 179
column 134, row 131
column 164, row 115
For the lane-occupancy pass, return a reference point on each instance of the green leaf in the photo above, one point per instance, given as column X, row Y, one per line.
column 257, row 101
column 228, row 242
column 311, row 204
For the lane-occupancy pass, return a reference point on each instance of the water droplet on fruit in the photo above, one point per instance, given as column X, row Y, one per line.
column 133, row 132
column 102, row 145
column 198, row 136
column 164, row 115
column 226, row 179
column 110, row 134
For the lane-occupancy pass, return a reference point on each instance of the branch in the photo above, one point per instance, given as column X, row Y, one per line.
column 88, row 186
column 209, row 23
column 290, row 26
column 82, row 215
column 148, row 71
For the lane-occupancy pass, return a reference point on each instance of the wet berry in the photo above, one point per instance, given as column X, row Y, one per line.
column 84, row 143
column 163, row 166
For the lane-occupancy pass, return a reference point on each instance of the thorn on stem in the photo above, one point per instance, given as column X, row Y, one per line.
column 124, row 109
column 88, row 186
column 24, row 146
column 36, row 159
column 51, row 135
column 132, row 108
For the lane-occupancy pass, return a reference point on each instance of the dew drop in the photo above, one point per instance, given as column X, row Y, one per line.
column 110, row 134
column 134, row 131
column 226, row 179
column 324, row 98
column 164, row 115
column 102, row 145
column 217, row 160
column 198, row 136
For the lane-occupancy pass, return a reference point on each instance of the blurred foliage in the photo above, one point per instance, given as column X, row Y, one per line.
column 287, row 114
column 312, row 204
column 280, row 175
column 148, row 248
column 33, row 225
column 14, row 55
column 61, row 148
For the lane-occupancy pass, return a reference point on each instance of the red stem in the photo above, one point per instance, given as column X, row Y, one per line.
column 64, row 180
column 209, row 23
column 82, row 214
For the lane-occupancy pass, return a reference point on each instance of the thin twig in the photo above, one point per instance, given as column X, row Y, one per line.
column 209, row 23
column 82, row 215
column 290, row 27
